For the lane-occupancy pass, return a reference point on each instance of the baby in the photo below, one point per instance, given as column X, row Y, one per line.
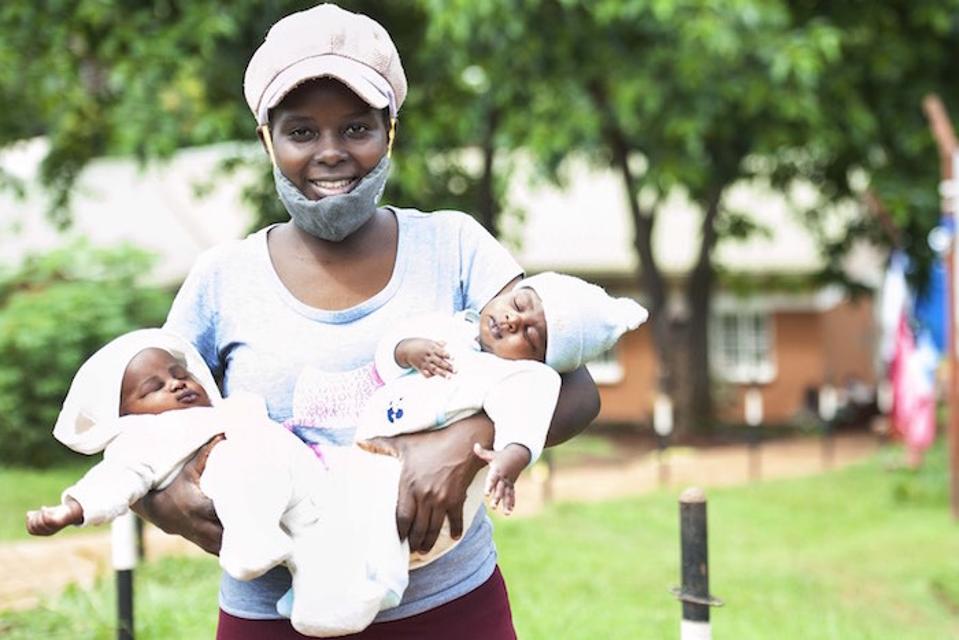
column 493, row 361
column 148, row 402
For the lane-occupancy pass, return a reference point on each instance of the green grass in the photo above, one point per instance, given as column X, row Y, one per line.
column 862, row 553
column 175, row 598
column 25, row 489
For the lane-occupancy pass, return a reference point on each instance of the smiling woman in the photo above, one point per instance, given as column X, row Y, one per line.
column 293, row 313
column 325, row 138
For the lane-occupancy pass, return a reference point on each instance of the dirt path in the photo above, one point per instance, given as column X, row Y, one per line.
column 34, row 569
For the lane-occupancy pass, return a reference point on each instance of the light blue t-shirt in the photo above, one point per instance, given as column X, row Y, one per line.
column 315, row 367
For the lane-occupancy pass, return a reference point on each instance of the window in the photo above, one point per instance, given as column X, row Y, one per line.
column 606, row 369
column 741, row 347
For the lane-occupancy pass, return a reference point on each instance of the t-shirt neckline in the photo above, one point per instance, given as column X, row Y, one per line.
column 351, row 313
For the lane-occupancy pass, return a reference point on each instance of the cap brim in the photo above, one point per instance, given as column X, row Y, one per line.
column 358, row 77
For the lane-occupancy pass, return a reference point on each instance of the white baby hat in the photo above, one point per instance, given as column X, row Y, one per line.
column 582, row 320
column 88, row 419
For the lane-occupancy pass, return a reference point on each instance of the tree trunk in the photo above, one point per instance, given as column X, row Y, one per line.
column 699, row 401
column 487, row 203
column 650, row 278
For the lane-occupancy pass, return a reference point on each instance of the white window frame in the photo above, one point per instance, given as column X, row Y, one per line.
column 607, row 369
column 752, row 359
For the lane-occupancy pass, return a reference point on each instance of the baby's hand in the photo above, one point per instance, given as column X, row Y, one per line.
column 47, row 521
column 429, row 357
column 504, row 468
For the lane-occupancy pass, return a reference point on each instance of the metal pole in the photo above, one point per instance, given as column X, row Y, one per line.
column 694, row 592
column 945, row 138
column 123, row 542
column 828, row 405
column 542, row 474
column 662, row 443
column 753, row 410
column 663, row 426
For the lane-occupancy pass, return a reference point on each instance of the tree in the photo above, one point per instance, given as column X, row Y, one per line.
column 55, row 311
column 694, row 96
column 685, row 96
column 146, row 79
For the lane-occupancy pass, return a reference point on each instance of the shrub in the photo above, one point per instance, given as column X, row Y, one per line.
column 56, row 310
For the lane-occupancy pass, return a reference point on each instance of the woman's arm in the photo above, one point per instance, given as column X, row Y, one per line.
column 182, row 509
column 577, row 406
column 438, row 467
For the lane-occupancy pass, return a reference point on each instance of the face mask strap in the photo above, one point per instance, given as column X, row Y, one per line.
column 390, row 137
column 264, row 131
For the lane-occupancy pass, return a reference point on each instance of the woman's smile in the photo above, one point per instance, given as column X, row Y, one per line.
column 326, row 139
column 330, row 187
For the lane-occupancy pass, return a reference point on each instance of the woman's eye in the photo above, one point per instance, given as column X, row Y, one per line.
column 301, row 134
column 357, row 129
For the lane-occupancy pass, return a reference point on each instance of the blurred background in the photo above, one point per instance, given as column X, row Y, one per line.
column 760, row 174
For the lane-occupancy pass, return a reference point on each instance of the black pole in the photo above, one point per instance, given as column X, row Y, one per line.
column 694, row 592
column 125, row 604
column 123, row 543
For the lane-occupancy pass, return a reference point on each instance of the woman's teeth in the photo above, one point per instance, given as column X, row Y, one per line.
column 332, row 184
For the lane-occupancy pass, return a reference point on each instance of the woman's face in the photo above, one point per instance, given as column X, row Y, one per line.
column 325, row 138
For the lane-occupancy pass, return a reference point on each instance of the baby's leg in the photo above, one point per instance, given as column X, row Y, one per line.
column 351, row 564
column 250, row 490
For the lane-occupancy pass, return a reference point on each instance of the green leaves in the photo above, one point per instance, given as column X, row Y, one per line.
column 55, row 311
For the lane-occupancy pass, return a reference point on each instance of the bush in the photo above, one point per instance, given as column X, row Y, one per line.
column 55, row 311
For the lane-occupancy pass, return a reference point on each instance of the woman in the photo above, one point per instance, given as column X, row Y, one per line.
column 293, row 312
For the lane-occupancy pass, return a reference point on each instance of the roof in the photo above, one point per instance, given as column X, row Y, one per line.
column 115, row 200
column 586, row 227
column 583, row 228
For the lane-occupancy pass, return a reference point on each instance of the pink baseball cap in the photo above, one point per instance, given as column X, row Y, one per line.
column 325, row 41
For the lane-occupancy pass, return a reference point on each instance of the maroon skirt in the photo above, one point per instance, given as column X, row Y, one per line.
column 481, row 614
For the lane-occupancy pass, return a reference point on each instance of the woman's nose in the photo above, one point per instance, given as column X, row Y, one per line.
column 328, row 151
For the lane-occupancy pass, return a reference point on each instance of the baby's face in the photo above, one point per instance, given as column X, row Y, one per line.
column 513, row 326
column 155, row 382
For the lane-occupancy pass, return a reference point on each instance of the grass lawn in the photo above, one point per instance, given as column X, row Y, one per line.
column 862, row 553
column 24, row 489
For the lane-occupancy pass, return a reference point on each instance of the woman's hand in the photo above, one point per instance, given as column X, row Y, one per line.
column 438, row 466
column 182, row 509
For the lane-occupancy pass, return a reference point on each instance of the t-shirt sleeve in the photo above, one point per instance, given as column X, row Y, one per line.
column 194, row 313
column 486, row 265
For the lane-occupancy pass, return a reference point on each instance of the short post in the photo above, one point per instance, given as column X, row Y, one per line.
column 542, row 474
column 694, row 592
column 828, row 405
column 753, row 410
column 663, row 426
column 123, row 542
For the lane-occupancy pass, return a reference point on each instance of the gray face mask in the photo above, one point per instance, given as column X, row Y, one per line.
column 334, row 217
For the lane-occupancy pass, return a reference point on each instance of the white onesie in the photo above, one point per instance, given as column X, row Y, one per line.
column 333, row 525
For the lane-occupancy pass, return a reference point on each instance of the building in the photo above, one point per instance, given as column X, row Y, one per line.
column 786, row 338
column 788, row 342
